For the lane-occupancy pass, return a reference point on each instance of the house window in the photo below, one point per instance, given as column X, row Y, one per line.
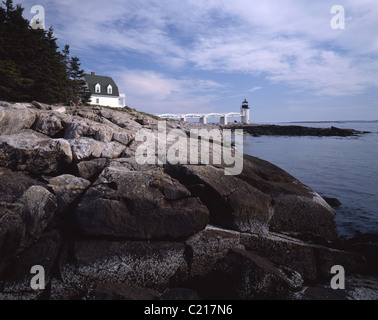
column 110, row 89
column 97, row 101
column 97, row 88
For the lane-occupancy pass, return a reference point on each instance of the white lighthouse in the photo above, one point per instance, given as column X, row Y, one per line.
column 244, row 111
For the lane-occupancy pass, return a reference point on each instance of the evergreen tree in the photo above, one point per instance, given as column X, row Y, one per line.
column 66, row 60
column 78, row 91
column 79, row 86
column 31, row 65
column 14, row 83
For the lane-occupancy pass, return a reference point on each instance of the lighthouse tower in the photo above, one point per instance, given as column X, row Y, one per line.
column 244, row 111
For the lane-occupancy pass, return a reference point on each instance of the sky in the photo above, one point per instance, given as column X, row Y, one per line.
column 197, row 56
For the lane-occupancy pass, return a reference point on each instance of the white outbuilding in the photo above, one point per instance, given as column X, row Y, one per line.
column 104, row 91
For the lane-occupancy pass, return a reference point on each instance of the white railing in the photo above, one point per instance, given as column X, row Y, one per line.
column 194, row 116
column 203, row 117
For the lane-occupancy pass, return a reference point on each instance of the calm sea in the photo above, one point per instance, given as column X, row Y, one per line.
column 343, row 168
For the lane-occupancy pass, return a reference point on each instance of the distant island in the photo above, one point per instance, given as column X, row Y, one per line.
column 334, row 121
column 291, row 130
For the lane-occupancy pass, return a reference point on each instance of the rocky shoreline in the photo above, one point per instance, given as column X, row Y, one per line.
column 74, row 200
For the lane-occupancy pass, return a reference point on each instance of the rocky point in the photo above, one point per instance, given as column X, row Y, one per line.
column 74, row 200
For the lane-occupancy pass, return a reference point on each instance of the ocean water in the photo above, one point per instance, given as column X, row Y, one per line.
column 345, row 168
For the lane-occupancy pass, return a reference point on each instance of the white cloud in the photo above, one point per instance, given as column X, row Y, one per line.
column 283, row 41
column 157, row 93
column 254, row 89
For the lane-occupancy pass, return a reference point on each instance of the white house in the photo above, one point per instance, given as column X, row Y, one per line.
column 104, row 91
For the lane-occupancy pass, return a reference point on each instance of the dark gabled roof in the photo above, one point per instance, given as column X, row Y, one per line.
column 104, row 82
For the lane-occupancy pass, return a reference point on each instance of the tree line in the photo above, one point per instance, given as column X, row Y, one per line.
column 31, row 65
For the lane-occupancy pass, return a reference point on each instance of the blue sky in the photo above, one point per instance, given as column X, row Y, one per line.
column 208, row 56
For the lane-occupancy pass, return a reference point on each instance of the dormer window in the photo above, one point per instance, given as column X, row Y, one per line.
column 110, row 89
column 97, row 88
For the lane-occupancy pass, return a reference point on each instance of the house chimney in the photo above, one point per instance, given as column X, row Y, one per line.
column 93, row 73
